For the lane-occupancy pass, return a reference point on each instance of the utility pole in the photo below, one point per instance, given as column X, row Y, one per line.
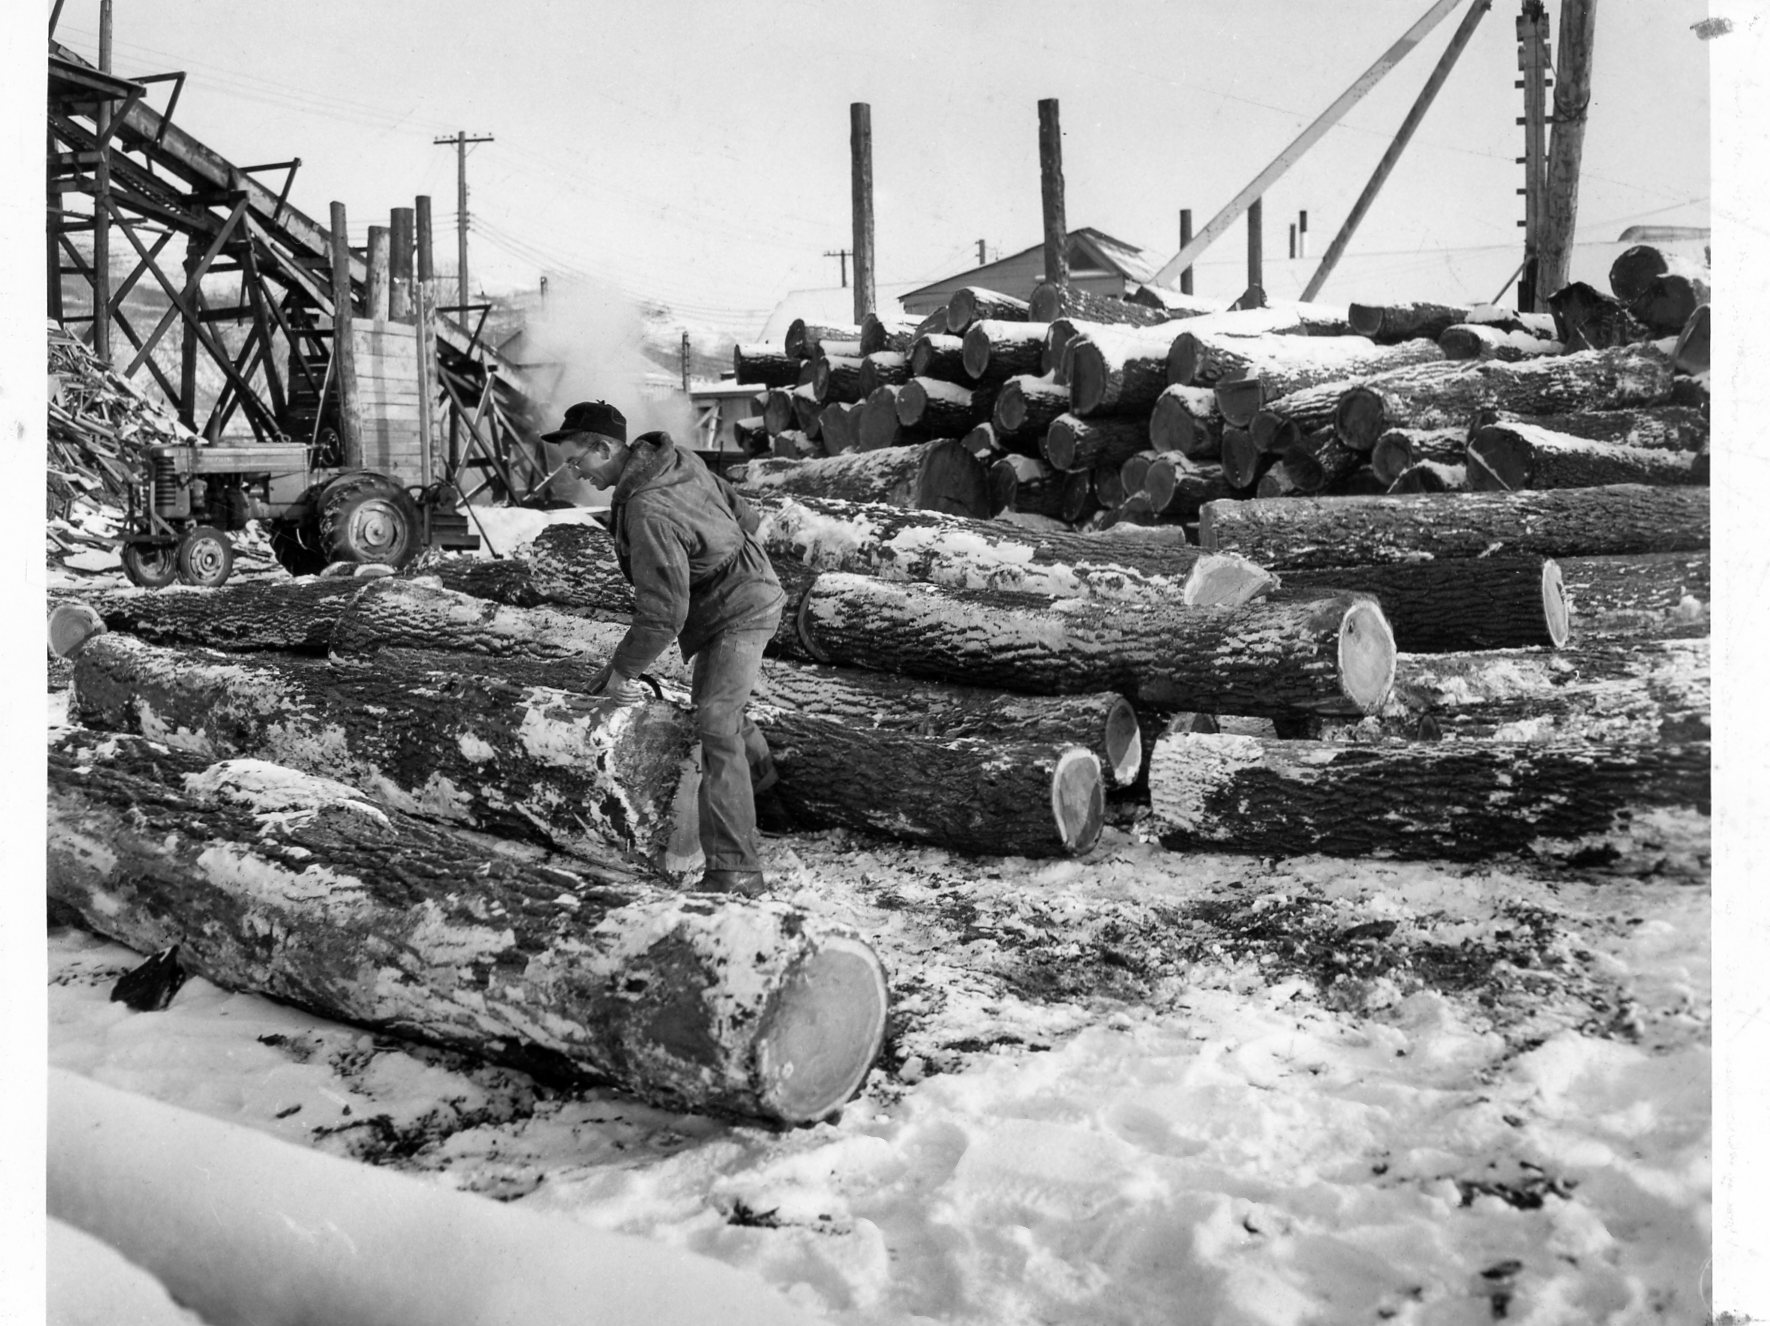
column 860, row 152
column 843, row 255
column 1533, row 64
column 980, row 258
column 1051, row 193
column 1573, row 92
column 685, row 358
column 460, row 142
column 1185, row 239
column 101, row 207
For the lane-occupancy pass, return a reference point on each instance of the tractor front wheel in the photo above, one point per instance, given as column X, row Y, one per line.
column 150, row 565
column 205, row 557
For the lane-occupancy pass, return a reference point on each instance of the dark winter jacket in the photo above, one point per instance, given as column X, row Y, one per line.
column 686, row 542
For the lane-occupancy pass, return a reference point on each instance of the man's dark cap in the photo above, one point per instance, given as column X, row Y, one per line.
column 590, row 417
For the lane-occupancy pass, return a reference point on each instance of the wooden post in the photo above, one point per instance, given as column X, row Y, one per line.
column 399, row 293
column 860, row 152
column 424, row 288
column 1403, row 136
column 1256, row 255
column 1533, row 62
column 101, row 201
column 350, row 423
column 1573, row 92
column 1293, row 250
column 1185, row 239
column 379, row 294
column 1051, row 192
column 188, row 346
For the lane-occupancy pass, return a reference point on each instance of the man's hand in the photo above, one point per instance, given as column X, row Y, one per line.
column 612, row 685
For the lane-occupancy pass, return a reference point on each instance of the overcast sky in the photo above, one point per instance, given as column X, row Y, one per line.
column 698, row 153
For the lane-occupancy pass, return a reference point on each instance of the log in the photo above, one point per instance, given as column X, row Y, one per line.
column 1024, row 408
column 1389, row 323
column 883, row 368
column 1439, row 395
column 1218, row 346
column 971, row 304
column 879, row 333
column 581, row 775
column 993, row 350
column 808, row 411
column 875, row 422
column 1187, row 420
column 943, row 409
column 1027, row 485
column 793, row 444
column 1103, row 722
column 1275, row 482
column 1510, row 456
column 1398, row 448
column 836, row 378
column 1072, row 443
column 1134, row 470
column 1431, row 476
column 1347, row 531
column 1691, row 353
column 885, row 474
column 751, row 434
column 1362, row 482
column 419, row 613
column 1318, row 462
column 837, row 427
column 937, row 355
column 989, row 796
column 1473, row 340
column 1051, row 301
column 1634, row 270
column 763, row 365
column 1180, row 488
column 1588, row 319
column 981, row 441
column 1109, row 484
column 394, row 923
column 1268, row 368
column 1455, row 604
column 1242, row 461
column 1459, row 800
column 778, row 415
column 1334, row 655
column 1118, row 375
column 1664, row 289
column 894, row 544
column 1650, row 595
column 952, row 480
column 297, row 616
column 804, row 339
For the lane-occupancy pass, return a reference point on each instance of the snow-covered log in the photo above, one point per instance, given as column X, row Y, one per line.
column 1073, row 443
column 265, row 1231
column 1178, row 487
column 1024, row 407
column 804, row 340
column 887, row 333
column 1352, row 531
column 1317, row 462
column 600, row 780
column 1398, row 448
column 1653, row 595
column 1661, row 289
column 763, row 365
column 952, row 480
column 1000, row 796
column 1505, row 457
column 1330, row 655
column 882, row 368
column 944, row 409
column 1026, row 484
column 1119, row 375
column 303, row 889
column 1248, row 372
column 939, row 356
column 972, row 304
column 1662, row 427
column 994, row 350
column 422, row 614
column 836, row 378
column 1461, row 800
column 1456, row 603
column 1051, row 301
column 293, row 615
column 884, row 474
column 1431, row 476
column 1588, row 319
column 1388, row 323
column 1475, row 340
column 1187, row 420
column 1441, row 395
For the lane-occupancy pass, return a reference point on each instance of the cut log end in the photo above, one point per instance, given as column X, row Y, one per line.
column 71, row 625
column 1556, row 616
column 1225, row 580
column 1124, row 743
column 1367, row 655
column 822, row 1032
column 1240, row 400
column 1078, row 798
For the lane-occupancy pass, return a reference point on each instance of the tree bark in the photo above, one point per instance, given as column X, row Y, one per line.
column 763, row 365
column 1024, row 408
column 887, row 474
column 1116, row 375
column 972, row 304
column 1298, row 533
column 1072, row 443
column 1460, row 800
column 1398, row 448
column 1473, row 340
column 297, row 616
column 993, row 351
column 1334, row 655
column 1279, row 366
column 1454, row 604
column 944, row 409
column 990, row 796
column 1025, row 484
column 1051, row 301
column 1187, row 420
column 578, row 774
column 1506, row 457
column 1441, row 395
column 383, row 920
column 883, row 368
column 938, row 355
column 1647, row 596
column 1389, row 323
column 804, row 340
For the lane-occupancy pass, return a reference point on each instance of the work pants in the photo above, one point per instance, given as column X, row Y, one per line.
column 735, row 764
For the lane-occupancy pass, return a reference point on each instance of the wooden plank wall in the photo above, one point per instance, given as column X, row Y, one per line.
column 387, row 384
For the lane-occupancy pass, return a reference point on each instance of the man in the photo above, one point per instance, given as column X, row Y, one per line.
column 686, row 542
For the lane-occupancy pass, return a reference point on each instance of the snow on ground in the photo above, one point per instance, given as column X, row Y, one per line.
column 1144, row 1085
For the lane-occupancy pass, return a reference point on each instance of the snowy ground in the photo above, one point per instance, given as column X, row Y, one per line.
column 1141, row 1086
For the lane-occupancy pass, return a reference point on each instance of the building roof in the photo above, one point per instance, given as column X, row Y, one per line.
column 1095, row 249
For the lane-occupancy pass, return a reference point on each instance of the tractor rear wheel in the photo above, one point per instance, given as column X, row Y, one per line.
column 205, row 557
column 150, row 565
column 368, row 517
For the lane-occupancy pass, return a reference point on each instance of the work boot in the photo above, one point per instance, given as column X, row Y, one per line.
column 748, row 883
column 772, row 816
